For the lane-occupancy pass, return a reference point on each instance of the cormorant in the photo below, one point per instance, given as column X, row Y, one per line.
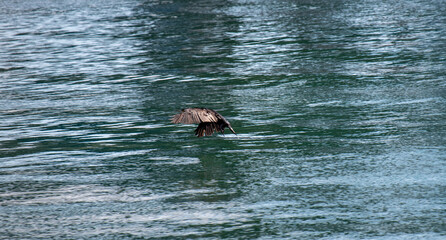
column 208, row 120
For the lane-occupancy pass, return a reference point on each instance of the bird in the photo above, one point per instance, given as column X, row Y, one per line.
column 208, row 120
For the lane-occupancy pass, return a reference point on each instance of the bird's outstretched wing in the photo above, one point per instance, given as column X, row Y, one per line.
column 195, row 115
column 207, row 129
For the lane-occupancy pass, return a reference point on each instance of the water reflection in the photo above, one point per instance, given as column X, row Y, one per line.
column 186, row 37
column 288, row 37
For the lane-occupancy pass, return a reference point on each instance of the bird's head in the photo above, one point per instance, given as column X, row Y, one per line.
column 232, row 130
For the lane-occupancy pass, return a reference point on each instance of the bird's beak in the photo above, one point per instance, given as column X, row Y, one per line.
column 232, row 130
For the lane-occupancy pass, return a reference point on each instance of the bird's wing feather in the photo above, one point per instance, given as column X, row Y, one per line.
column 206, row 129
column 195, row 115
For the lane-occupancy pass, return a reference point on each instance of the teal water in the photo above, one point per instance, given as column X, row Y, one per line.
column 339, row 106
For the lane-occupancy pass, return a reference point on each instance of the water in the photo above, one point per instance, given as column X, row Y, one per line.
column 339, row 108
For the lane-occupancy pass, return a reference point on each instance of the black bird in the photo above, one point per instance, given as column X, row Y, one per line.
column 208, row 120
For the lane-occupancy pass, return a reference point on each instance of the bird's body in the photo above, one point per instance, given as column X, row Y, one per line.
column 208, row 120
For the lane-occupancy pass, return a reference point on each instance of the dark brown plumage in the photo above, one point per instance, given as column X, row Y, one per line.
column 208, row 120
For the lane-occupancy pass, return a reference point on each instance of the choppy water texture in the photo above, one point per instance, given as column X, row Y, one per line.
column 339, row 106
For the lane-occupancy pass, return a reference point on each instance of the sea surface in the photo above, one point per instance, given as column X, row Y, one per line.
column 339, row 108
